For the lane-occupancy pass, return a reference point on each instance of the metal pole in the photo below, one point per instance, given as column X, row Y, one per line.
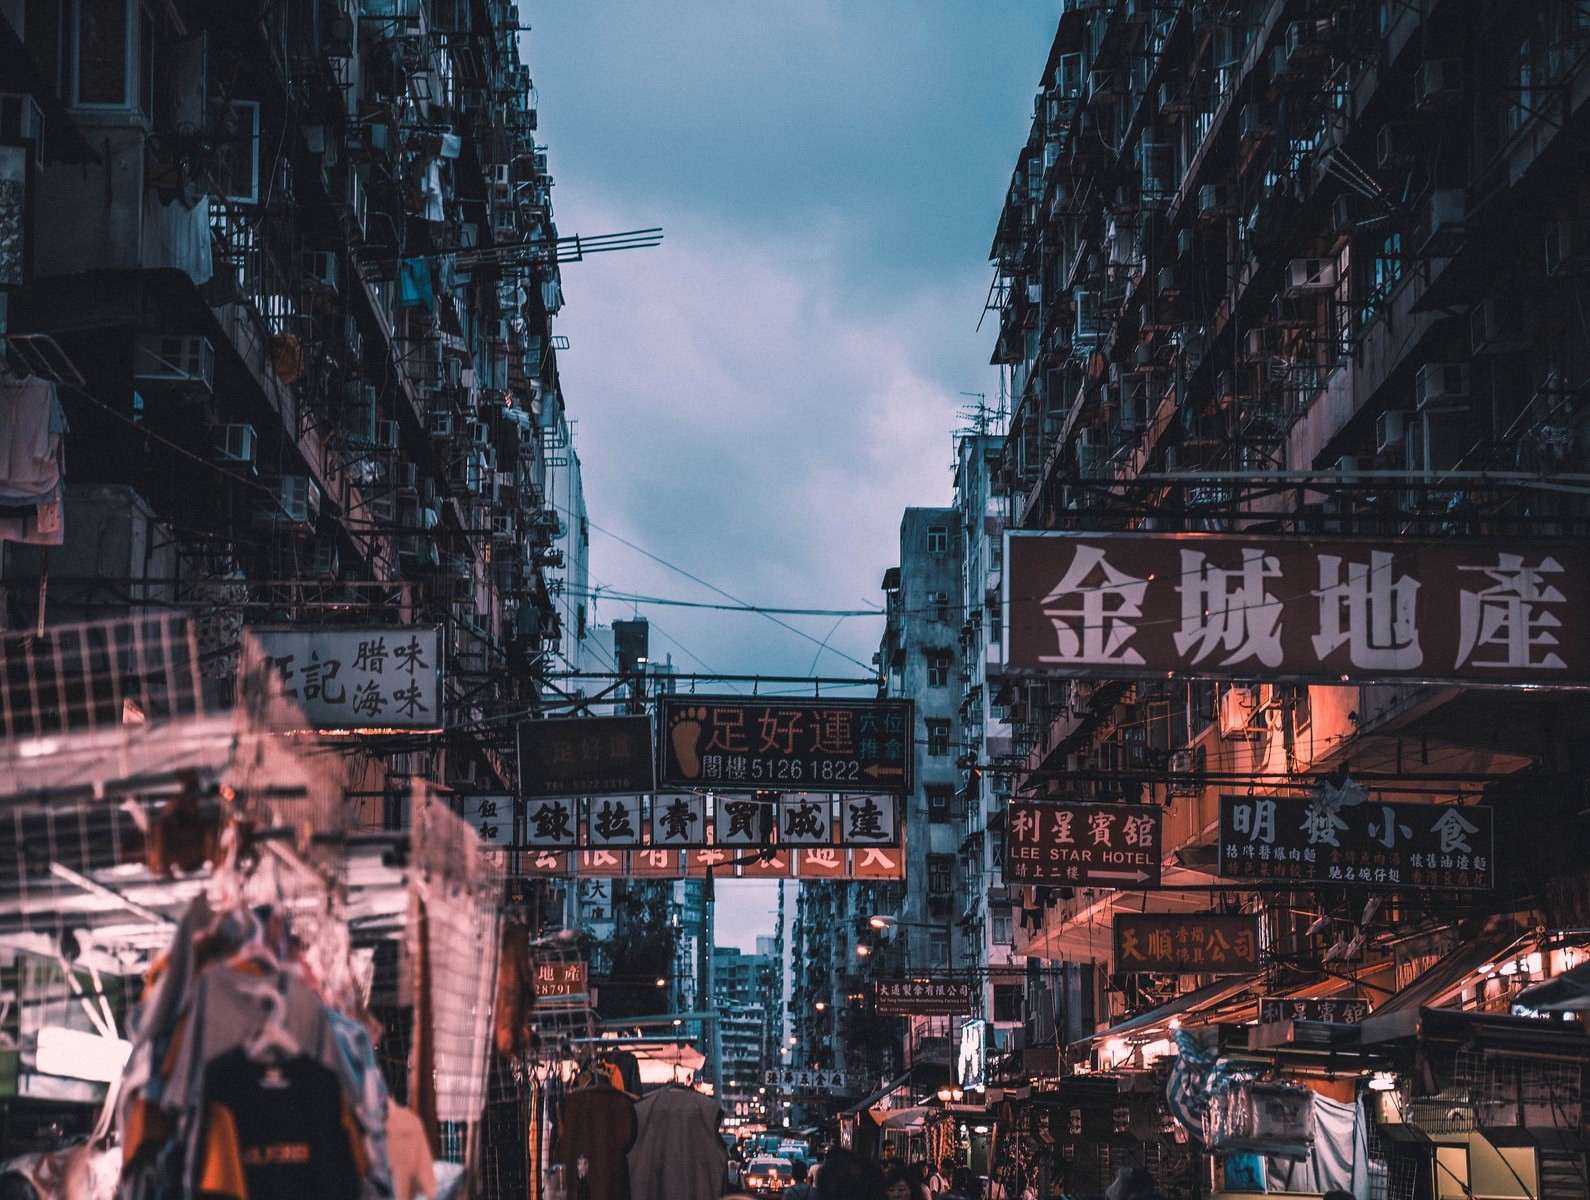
column 714, row 1030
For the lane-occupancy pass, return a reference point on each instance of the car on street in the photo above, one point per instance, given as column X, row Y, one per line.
column 768, row 1176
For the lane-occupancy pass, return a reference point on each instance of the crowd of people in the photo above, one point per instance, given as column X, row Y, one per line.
column 841, row 1175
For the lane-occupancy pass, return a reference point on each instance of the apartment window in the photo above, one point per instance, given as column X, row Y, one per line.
column 939, row 606
column 111, row 54
column 237, row 163
column 938, row 738
column 938, row 668
column 1007, row 1002
column 941, row 874
column 938, row 539
column 940, row 805
column 939, row 950
column 1003, row 931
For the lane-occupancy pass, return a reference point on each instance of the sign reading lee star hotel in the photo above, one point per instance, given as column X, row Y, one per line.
column 1463, row 610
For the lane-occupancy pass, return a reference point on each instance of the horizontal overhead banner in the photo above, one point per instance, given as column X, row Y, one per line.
column 1335, row 1011
column 586, row 756
column 1079, row 844
column 1181, row 944
column 929, row 997
column 825, row 745
column 1460, row 610
column 1339, row 835
column 877, row 862
column 360, row 679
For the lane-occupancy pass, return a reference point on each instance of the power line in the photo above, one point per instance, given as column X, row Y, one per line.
column 602, row 593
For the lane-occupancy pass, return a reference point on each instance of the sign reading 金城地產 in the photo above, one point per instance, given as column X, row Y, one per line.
column 1182, row 944
column 1100, row 845
column 360, row 678
column 586, row 756
column 928, row 997
column 1334, row 1010
column 1463, row 610
column 560, row 979
column 824, row 745
column 1339, row 835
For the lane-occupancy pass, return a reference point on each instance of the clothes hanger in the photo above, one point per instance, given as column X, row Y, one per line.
column 272, row 1039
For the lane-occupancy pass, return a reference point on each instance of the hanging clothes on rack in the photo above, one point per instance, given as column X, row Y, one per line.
column 595, row 1130
column 677, row 1154
column 32, row 460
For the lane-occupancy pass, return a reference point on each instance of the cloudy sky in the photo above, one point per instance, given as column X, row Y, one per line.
column 758, row 399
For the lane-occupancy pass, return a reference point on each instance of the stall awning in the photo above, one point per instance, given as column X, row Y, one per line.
column 888, row 1089
column 1185, row 1004
column 1438, row 984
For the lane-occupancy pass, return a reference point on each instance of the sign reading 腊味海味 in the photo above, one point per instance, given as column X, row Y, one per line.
column 824, row 745
column 360, row 678
column 1067, row 843
column 1339, row 835
column 1463, row 610
column 1183, row 944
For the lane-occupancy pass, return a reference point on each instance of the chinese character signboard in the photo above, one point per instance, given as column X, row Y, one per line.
column 1339, row 835
column 585, row 756
column 1345, row 1011
column 349, row 678
column 923, row 997
column 560, row 979
column 798, row 1081
column 1178, row 944
column 826, row 745
column 491, row 817
column 1101, row 845
column 1233, row 605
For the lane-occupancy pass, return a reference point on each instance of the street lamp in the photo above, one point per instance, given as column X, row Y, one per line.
column 821, row 1006
column 950, row 1095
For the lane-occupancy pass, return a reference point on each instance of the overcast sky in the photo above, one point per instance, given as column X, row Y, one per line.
column 759, row 399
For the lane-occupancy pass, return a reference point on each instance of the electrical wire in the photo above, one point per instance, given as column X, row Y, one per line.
column 602, row 592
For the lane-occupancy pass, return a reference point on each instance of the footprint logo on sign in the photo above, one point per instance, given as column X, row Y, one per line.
column 684, row 734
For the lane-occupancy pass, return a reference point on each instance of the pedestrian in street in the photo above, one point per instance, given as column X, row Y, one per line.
column 901, row 1183
column 801, row 1189
column 942, row 1181
column 847, row 1176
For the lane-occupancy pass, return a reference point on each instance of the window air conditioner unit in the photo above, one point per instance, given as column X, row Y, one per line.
column 1255, row 121
column 1437, row 83
column 386, row 435
column 1214, row 200
column 539, row 162
column 1390, row 430
column 1239, row 715
column 323, row 558
column 1441, row 386
column 1393, row 147
column 321, row 266
column 406, row 476
column 1169, row 282
column 1341, row 216
column 1256, row 343
column 238, row 444
column 175, row 360
column 1308, row 275
column 502, row 527
column 478, row 433
column 439, row 424
column 1349, row 465
column 298, row 499
column 1495, row 327
column 22, row 120
column 1561, row 246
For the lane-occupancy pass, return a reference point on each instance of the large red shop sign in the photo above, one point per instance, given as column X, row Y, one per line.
column 1238, row 605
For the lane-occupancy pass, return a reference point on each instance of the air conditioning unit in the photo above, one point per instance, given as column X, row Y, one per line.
column 238, row 444
column 477, row 433
column 1305, row 40
column 1441, row 231
column 386, row 435
column 298, row 500
column 1238, row 713
column 502, row 528
column 406, row 477
column 439, row 424
column 1390, row 430
column 188, row 361
column 1255, row 122
column 1308, row 275
column 1561, row 247
column 1215, row 200
column 1175, row 96
column 1169, row 282
column 1101, row 80
column 1437, row 83
column 1256, row 344
column 322, row 267
column 539, row 162
column 1393, row 147
column 1441, row 386
column 1496, row 327
column 22, row 120
column 1342, row 223
column 1349, row 465
column 323, row 558
column 502, row 180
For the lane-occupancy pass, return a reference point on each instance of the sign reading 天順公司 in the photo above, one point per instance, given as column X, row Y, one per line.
column 824, row 745
column 1339, row 835
column 586, row 756
column 927, row 997
column 1345, row 1010
column 347, row 677
column 1183, row 944
column 1078, row 844
column 1461, row 610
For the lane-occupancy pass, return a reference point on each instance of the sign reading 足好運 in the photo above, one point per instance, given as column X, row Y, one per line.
column 1183, row 944
column 1339, row 835
column 586, row 756
column 353, row 678
column 1212, row 605
column 1073, row 843
column 928, row 997
column 823, row 745
column 1336, row 1011
column 555, row 979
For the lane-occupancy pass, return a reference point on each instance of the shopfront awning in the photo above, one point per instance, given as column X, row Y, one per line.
column 1438, row 984
column 888, row 1089
column 1186, row 1004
